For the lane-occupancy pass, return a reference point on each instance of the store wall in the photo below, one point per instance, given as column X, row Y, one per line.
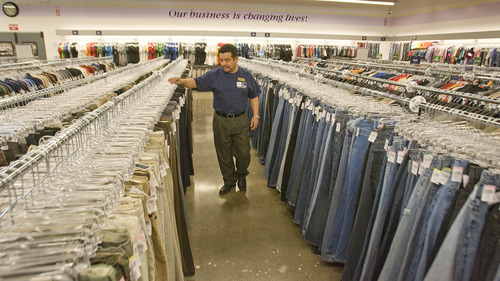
column 141, row 22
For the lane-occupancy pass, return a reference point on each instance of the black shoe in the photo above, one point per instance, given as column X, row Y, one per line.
column 242, row 184
column 225, row 189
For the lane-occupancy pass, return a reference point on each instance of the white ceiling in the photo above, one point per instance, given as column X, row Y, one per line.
column 404, row 7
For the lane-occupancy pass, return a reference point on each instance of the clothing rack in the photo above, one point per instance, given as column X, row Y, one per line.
column 431, row 70
column 38, row 64
column 22, row 99
column 489, row 121
column 41, row 163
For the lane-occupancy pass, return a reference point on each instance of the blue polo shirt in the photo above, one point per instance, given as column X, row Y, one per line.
column 231, row 90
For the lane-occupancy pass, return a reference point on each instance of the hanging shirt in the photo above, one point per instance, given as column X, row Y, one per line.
column 231, row 90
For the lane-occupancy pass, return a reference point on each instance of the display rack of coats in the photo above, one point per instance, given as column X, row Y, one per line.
column 128, row 216
column 367, row 191
column 200, row 55
column 25, row 80
column 325, row 51
column 472, row 96
column 171, row 50
column 282, row 52
column 44, row 117
column 373, row 48
column 456, row 54
column 400, row 51
column 243, row 50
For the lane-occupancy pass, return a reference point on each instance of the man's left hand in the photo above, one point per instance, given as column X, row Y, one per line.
column 254, row 123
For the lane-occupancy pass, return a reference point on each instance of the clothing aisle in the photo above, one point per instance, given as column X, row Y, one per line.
column 242, row 236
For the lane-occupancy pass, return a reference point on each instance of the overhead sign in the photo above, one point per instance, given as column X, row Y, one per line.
column 267, row 34
column 13, row 27
column 74, row 32
column 253, row 34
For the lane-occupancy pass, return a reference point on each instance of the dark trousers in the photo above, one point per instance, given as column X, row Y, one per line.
column 231, row 138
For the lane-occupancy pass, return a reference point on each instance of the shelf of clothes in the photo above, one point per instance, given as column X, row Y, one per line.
column 16, row 83
column 367, row 197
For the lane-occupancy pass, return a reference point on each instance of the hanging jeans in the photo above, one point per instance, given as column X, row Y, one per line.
column 455, row 259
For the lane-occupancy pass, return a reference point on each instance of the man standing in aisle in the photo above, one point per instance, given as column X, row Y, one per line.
column 232, row 87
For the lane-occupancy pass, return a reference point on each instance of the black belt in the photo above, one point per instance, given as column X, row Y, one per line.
column 229, row 115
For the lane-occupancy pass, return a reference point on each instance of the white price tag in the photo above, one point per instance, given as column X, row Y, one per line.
column 328, row 117
column 373, row 136
column 401, row 156
column 149, row 227
column 151, row 205
column 386, row 145
column 163, row 168
column 421, row 169
column 152, row 185
column 414, row 167
column 338, row 127
column 435, row 176
column 391, row 156
column 137, row 191
column 427, row 161
column 457, row 174
column 466, row 179
column 488, row 194
column 357, row 131
column 445, row 175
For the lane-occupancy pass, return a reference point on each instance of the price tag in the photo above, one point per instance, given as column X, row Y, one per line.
column 466, row 179
column 151, row 205
column 391, row 156
column 421, row 169
column 152, row 184
column 373, row 136
column 488, row 194
column 357, row 132
column 427, row 161
column 435, row 176
column 163, row 168
column 333, row 118
column 386, row 145
column 444, row 176
column 414, row 167
column 457, row 174
column 137, row 191
column 401, row 156
column 338, row 127
column 328, row 117
column 149, row 227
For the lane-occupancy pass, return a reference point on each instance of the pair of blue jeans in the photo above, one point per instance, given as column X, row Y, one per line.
column 455, row 259
column 405, row 239
column 323, row 193
column 348, row 201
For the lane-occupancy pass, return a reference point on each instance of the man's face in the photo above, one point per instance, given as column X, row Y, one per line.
column 228, row 63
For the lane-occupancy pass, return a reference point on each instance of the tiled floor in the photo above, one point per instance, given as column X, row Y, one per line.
column 242, row 236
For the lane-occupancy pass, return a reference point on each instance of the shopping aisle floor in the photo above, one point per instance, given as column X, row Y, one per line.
column 242, row 236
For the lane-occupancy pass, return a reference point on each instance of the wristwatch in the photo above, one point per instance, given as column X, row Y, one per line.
column 257, row 116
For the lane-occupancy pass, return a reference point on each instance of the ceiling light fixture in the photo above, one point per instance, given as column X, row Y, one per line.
column 387, row 3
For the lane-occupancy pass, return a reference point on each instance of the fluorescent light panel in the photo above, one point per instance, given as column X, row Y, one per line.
column 362, row 2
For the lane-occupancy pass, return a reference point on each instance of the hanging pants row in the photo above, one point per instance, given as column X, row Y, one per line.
column 366, row 197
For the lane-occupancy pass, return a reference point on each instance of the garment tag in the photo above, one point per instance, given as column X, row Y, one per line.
column 333, row 119
column 302, row 106
column 466, row 179
column 401, row 156
column 386, row 145
column 488, row 194
column 391, row 156
column 435, row 176
column 152, row 185
column 328, row 117
column 135, row 247
column 457, row 174
column 421, row 169
column 149, row 227
column 137, row 191
column 427, row 161
column 357, row 131
column 151, row 205
column 338, row 127
column 174, row 127
column 163, row 168
column 444, row 176
column 373, row 136
column 414, row 167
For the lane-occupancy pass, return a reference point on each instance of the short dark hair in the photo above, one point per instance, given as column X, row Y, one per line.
column 229, row 48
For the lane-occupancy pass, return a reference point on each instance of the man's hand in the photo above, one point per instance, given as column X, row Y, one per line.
column 175, row 80
column 254, row 123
